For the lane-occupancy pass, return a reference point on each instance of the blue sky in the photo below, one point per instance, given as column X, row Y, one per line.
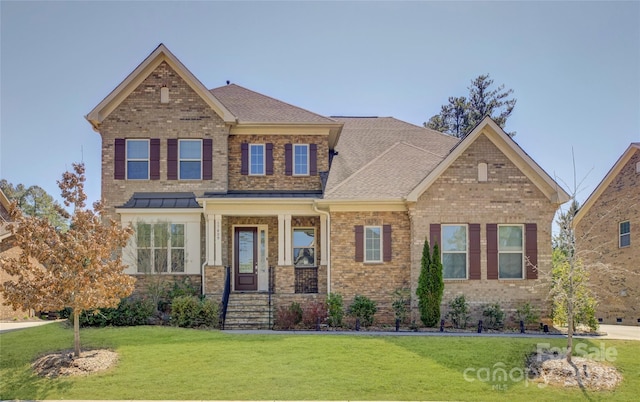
column 574, row 67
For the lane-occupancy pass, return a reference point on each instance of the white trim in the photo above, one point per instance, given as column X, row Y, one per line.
column 522, row 252
column 264, row 159
column 314, row 247
column 620, row 234
column 380, row 243
column 180, row 159
column 127, row 158
column 293, row 159
column 465, row 252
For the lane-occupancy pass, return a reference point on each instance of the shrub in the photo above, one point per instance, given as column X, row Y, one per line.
column 288, row 317
column 495, row 316
column 400, row 304
column 364, row 309
column 130, row 312
column 336, row 309
column 459, row 313
column 314, row 311
column 192, row 312
column 526, row 312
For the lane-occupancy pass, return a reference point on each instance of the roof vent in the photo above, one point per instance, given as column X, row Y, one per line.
column 164, row 94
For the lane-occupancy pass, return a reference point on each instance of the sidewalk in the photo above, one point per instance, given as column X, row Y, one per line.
column 6, row 326
column 621, row 332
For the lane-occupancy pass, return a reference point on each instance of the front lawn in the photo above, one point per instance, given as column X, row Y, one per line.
column 175, row 363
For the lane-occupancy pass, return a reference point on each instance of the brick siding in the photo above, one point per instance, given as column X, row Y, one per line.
column 614, row 271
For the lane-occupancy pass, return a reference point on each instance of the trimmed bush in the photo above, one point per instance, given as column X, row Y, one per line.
column 191, row 312
column 459, row 313
column 364, row 309
column 130, row 312
column 495, row 316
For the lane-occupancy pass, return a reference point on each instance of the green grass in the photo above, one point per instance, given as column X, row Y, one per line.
column 173, row 363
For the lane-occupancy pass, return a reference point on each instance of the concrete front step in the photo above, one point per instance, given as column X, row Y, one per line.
column 248, row 311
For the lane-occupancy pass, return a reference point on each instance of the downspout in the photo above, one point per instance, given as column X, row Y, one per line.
column 206, row 244
column 328, row 215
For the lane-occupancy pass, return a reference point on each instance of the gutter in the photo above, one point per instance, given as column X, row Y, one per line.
column 206, row 245
column 328, row 215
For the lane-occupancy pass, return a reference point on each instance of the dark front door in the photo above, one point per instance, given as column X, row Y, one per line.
column 246, row 259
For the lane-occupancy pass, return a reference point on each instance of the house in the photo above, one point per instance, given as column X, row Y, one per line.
column 607, row 237
column 299, row 205
column 8, row 249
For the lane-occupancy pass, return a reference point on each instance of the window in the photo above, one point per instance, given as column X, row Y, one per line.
column 161, row 247
column 300, row 160
column 454, row 251
column 256, row 159
column 304, row 247
column 190, row 163
column 372, row 244
column 137, row 159
column 510, row 251
column 625, row 234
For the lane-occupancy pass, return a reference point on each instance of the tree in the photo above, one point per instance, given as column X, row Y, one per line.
column 35, row 201
column 430, row 286
column 460, row 116
column 573, row 301
column 79, row 268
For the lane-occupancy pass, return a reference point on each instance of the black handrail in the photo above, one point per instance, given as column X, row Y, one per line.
column 225, row 296
column 270, row 287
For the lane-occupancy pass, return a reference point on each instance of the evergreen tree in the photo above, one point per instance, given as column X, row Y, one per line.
column 430, row 286
column 35, row 201
column 461, row 114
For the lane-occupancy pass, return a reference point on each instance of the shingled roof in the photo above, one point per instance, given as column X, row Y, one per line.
column 251, row 107
column 382, row 157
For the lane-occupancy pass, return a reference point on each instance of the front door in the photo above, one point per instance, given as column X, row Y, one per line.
column 246, row 259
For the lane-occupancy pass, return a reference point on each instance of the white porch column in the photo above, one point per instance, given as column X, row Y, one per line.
column 217, row 221
column 287, row 241
column 281, row 245
column 323, row 240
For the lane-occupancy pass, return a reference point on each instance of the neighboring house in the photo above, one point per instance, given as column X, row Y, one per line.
column 608, row 240
column 300, row 205
column 8, row 249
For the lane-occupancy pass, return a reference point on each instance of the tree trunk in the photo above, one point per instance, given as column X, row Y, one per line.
column 76, row 332
column 570, row 330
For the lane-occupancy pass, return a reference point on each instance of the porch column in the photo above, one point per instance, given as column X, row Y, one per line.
column 323, row 240
column 217, row 230
column 284, row 240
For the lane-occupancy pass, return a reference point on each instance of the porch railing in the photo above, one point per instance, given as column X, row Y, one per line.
column 306, row 280
column 225, row 295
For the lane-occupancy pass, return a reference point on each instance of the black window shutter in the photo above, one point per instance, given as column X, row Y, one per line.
column 386, row 243
column 531, row 249
column 154, row 163
column 492, row 251
column 474, row 251
column 268, row 158
column 244, row 159
column 207, row 159
column 313, row 159
column 434, row 235
column 288, row 160
column 359, row 230
column 119, row 159
column 172, row 159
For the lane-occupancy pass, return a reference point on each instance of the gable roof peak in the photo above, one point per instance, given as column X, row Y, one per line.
column 159, row 55
column 488, row 127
